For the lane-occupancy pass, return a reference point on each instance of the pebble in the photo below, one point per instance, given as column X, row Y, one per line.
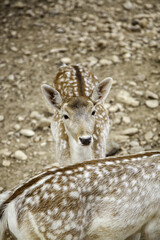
column 44, row 122
column 114, row 108
column 6, row 163
column 92, row 61
column 140, row 77
column 136, row 149
column 5, row 152
column 158, row 116
column 104, row 61
column 17, row 127
column 35, row 114
column 1, row 118
column 126, row 119
column 11, row 77
column 130, row 131
column 134, row 144
column 128, row 5
column 1, row 189
column 19, row 155
column 148, row 136
column 115, row 59
column 66, row 60
column 124, row 97
column 152, row 103
column 27, row 132
column 150, row 94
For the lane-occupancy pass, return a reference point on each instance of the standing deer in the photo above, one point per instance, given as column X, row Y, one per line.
column 106, row 199
column 80, row 123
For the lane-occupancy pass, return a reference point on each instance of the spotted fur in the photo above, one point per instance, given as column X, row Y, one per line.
column 112, row 199
column 77, row 92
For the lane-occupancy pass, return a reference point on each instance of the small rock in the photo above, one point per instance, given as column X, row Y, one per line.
column 130, row 131
column 66, row 60
column 120, row 138
column 19, row 155
column 158, row 116
column 27, row 132
column 1, row 118
column 136, row 149
column 134, row 144
column 140, row 77
column 124, row 97
column 104, row 61
column 44, row 122
column 56, row 50
column 6, row 163
column 152, row 103
column 153, row 43
column 92, row 61
column 1, row 189
column 11, row 77
column 150, row 94
column 35, row 114
column 126, row 119
column 115, row 59
column 5, row 152
column 114, row 108
column 128, row 5
column 20, row 118
column 14, row 49
column 17, row 127
column 148, row 136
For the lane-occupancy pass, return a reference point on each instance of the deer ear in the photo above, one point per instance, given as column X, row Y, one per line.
column 52, row 96
column 101, row 91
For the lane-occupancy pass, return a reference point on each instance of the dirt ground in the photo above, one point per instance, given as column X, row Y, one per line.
column 120, row 39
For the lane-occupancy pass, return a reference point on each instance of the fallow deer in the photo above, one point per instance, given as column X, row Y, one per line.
column 80, row 125
column 105, row 199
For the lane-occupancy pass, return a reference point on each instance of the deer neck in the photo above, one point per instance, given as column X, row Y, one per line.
column 80, row 153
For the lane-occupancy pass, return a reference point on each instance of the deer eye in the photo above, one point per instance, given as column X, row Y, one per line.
column 93, row 112
column 65, row 116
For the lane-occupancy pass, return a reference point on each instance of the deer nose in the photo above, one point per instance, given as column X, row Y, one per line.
column 85, row 141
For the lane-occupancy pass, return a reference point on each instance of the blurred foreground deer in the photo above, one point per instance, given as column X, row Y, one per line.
column 106, row 199
column 80, row 123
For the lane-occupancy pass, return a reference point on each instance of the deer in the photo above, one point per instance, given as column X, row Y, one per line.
column 80, row 123
column 114, row 198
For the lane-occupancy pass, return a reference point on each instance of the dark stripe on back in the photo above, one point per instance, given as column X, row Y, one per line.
column 80, row 80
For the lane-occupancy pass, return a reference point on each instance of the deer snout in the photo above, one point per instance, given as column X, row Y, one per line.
column 85, row 140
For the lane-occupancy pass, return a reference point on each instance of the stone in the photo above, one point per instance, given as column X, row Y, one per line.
column 44, row 122
column 1, row 189
column 134, row 144
column 66, row 60
column 114, row 108
column 27, row 132
column 11, row 77
column 104, row 61
column 56, row 50
column 17, row 127
column 1, row 118
column 151, row 95
column 140, row 77
column 152, row 103
column 92, row 61
column 158, row 116
column 126, row 119
column 19, row 155
column 35, row 114
column 124, row 97
column 153, row 43
column 148, row 136
column 115, row 59
column 136, row 149
column 6, row 163
column 5, row 152
column 130, row 131
column 128, row 5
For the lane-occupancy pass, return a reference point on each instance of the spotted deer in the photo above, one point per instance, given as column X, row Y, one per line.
column 105, row 199
column 80, row 123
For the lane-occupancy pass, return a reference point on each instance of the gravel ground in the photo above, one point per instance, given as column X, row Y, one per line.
column 120, row 39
